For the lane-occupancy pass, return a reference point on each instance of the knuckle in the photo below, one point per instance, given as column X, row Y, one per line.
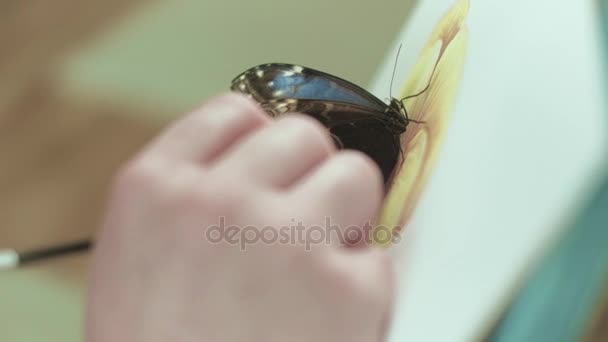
column 346, row 284
column 221, row 111
column 386, row 270
column 378, row 290
column 213, row 199
column 245, row 106
column 159, row 184
column 365, row 291
column 357, row 171
column 356, row 290
column 142, row 175
column 312, row 132
column 365, row 166
column 183, row 190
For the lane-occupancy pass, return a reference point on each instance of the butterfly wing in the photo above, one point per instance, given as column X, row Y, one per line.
column 375, row 140
column 286, row 81
column 356, row 119
column 352, row 127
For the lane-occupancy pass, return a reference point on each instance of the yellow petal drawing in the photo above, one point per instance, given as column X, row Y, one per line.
column 442, row 58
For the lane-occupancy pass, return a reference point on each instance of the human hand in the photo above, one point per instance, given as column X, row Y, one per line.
column 157, row 277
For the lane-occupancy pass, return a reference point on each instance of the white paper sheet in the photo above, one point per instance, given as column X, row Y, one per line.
column 526, row 135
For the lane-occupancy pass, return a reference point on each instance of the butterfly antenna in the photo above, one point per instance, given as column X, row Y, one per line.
column 390, row 90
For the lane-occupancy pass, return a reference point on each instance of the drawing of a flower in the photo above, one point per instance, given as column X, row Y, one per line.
column 442, row 57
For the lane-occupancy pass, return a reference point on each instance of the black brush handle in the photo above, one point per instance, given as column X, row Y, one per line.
column 12, row 259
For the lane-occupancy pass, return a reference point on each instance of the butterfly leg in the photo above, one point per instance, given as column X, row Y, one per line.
column 407, row 118
column 428, row 85
column 401, row 154
column 337, row 140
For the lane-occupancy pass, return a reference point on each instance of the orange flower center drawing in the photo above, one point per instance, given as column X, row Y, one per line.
column 442, row 58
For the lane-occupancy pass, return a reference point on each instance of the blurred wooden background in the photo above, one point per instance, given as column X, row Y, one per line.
column 83, row 85
column 57, row 154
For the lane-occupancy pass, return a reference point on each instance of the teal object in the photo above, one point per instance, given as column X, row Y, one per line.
column 559, row 299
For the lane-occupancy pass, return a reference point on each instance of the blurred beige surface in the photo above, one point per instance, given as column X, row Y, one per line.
column 85, row 84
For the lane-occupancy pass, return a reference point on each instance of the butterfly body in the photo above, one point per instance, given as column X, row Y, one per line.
column 355, row 118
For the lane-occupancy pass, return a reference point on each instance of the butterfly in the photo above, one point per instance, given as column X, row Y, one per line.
column 355, row 118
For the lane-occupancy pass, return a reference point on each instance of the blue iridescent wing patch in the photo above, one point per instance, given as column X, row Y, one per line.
column 355, row 118
column 286, row 81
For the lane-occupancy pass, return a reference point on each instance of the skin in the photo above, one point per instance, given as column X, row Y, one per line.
column 156, row 277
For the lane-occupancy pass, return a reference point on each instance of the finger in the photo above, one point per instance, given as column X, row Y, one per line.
column 345, row 192
column 208, row 131
column 369, row 282
column 280, row 153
